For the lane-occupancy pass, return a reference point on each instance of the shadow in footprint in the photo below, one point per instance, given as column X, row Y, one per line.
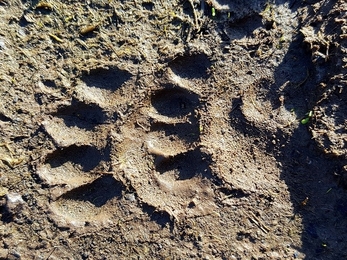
column 4, row 118
column 98, row 192
column 162, row 218
column 82, row 115
column 109, row 79
column 88, row 157
column 187, row 165
column 192, row 66
column 175, row 102
column 234, row 193
column 240, row 123
column 186, row 131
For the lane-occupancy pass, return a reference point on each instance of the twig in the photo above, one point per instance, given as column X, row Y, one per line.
column 258, row 222
column 51, row 253
column 194, row 14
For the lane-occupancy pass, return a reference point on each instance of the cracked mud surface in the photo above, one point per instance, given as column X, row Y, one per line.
column 173, row 129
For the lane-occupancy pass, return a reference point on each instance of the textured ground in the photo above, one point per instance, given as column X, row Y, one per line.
column 173, row 129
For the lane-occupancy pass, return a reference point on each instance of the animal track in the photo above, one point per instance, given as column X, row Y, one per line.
column 87, row 202
column 174, row 102
column 180, row 175
column 161, row 157
column 77, row 172
column 81, row 115
column 193, row 66
column 108, row 79
column 72, row 166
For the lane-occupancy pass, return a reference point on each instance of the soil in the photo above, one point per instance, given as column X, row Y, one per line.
column 154, row 129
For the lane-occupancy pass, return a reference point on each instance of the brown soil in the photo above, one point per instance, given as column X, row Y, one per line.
column 154, row 129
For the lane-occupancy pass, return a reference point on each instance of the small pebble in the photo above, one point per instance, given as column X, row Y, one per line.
column 130, row 197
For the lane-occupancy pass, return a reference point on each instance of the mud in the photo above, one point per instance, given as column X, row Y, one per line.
column 173, row 129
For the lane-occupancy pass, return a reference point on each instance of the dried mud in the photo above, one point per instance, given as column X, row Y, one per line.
column 173, row 129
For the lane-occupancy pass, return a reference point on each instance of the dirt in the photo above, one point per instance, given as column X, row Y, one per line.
column 173, row 129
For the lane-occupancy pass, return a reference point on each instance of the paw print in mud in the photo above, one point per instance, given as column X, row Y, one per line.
column 156, row 152
column 162, row 157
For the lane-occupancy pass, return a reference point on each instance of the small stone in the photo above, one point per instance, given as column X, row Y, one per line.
column 14, row 200
column 130, row 197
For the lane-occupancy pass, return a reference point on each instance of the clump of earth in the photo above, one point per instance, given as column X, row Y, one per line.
column 173, row 129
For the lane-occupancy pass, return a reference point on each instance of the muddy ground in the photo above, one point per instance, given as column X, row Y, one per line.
column 153, row 129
